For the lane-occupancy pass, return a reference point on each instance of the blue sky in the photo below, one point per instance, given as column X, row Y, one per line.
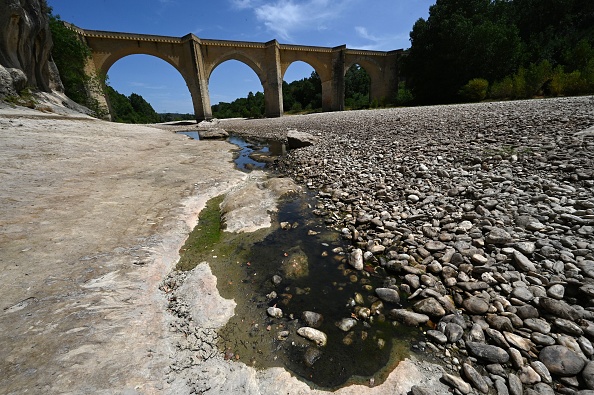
column 361, row 24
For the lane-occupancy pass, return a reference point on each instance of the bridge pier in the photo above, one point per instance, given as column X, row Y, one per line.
column 273, row 84
column 198, row 85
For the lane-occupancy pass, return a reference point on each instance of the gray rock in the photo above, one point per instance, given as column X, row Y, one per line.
column 409, row 317
column 457, row 382
column 453, row 332
column 543, row 389
column 542, row 371
column 561, row 361
column 388, row 295
column 475, row 378
column 475, row 305
column 528, row 376
column 500, row 387
column 588, row 375
column 213, row 134
column 488, row 352
column 297, row 139
column 568, row 327
column 429, row 306
column 523, row 263
column 498, row 236
column 437, row 336
column 514, row 385
column 312, row 354
column 434, row 246
column 559, row 308
column 346, row 324
column 418, row 390
column 312, row 318
column 537, row 325
column 356, row 259
column 556, row 291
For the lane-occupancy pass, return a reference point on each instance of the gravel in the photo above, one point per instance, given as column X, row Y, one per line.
column 484, row 211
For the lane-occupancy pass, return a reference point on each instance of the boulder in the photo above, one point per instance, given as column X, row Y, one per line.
column 297, row 139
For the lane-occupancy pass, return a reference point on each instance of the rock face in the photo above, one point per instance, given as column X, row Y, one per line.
column 25, row 45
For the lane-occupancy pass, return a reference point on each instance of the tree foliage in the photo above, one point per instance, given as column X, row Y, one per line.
column 521, row 47
column 70, row 55
column 130, row 109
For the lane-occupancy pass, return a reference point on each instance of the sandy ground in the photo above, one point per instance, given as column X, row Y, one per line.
column 92, row 216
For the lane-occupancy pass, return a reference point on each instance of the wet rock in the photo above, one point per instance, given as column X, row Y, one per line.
column 312, row 319
column 488, row 352
column 561, row 361
column 274, row 312
column 388, row 295
column 296, row 265
column 346, row 324
column 314, row 335
column 312, row 354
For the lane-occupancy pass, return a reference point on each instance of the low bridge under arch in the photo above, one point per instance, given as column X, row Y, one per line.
column 195, row 59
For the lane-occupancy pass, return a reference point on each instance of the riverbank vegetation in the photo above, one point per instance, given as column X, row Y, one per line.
column 473, row 50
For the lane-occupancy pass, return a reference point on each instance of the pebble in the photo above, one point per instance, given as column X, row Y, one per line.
column 511, row 232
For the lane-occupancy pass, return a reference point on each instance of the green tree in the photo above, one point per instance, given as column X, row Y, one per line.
column 70, row 55
column 357, row 84
column 461, row 39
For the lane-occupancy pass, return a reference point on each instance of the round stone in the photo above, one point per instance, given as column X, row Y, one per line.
column 561, row 361
column 475, row 305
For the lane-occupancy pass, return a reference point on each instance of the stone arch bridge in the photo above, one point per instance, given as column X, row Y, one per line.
column 195, row 59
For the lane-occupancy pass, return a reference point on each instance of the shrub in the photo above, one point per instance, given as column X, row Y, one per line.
column 475, row 89
column 503, row 89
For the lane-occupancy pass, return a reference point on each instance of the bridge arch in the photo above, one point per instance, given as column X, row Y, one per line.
column 195, row 59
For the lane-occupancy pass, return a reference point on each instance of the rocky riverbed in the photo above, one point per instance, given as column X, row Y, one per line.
column 483, row 217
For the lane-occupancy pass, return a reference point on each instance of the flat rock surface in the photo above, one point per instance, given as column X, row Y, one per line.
column 92, row 218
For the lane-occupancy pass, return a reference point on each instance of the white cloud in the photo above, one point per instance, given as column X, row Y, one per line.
column 378, row 43
column 285, row 17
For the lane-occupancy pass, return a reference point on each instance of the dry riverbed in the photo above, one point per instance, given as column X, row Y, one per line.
column 443, row 198
column 93, row 217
